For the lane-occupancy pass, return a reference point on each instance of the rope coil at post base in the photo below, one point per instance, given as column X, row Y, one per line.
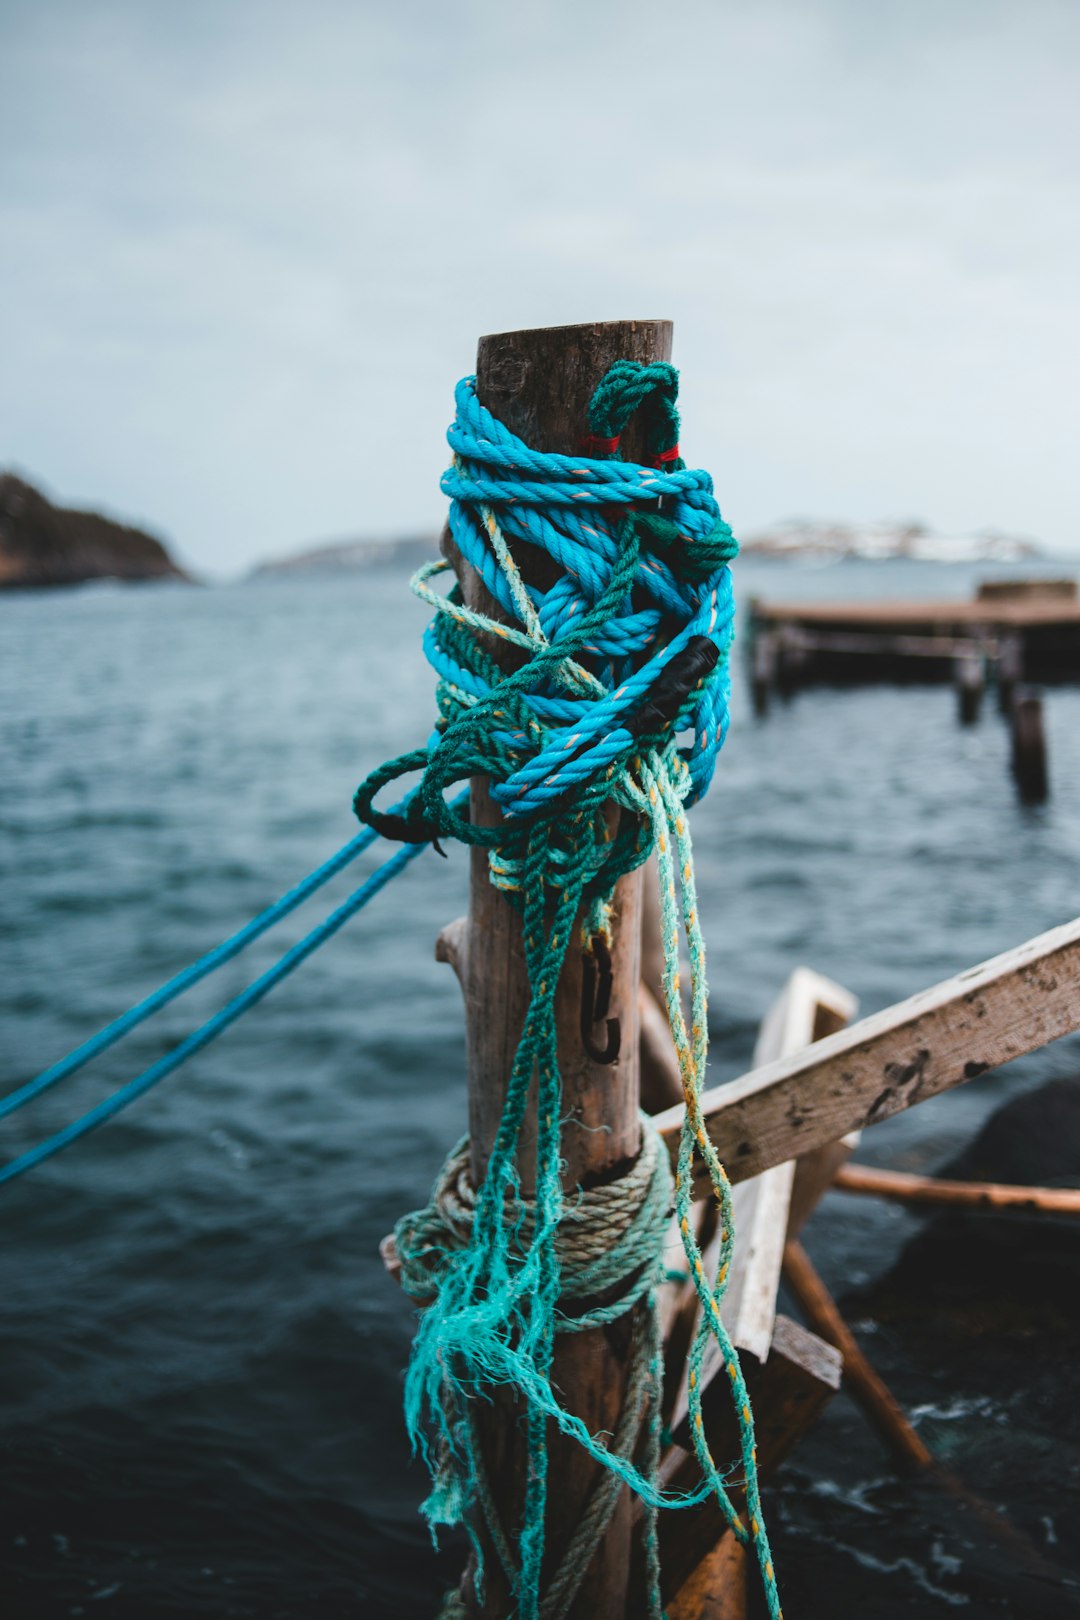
column 601, row 1242
column 624, row 653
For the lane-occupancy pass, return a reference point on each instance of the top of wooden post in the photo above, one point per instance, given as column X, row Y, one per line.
column 539, row 382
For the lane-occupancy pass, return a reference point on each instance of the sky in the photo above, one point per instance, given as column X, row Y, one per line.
column 249, row 248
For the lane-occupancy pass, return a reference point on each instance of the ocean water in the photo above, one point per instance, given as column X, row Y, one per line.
column 202, row 1357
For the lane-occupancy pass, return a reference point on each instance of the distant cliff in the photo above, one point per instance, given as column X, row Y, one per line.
column 42, row 544
column 346, row 556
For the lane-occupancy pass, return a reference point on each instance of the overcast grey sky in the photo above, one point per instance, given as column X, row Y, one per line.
column 248, row 248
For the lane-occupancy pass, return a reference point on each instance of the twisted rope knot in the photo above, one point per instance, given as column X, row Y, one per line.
column 639, row 549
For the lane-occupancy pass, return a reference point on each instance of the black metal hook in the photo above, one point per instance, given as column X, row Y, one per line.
column 596, row 999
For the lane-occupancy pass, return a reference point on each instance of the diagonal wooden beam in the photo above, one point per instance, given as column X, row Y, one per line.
column 986, row 1016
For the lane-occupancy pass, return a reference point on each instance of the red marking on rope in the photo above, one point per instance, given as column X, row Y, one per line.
column 666, row 455
column 591, row 445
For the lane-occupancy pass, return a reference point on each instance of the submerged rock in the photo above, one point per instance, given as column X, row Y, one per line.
column 42, row 544
column 1010, row 1270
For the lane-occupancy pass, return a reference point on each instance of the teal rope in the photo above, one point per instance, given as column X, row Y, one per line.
column 590, row 719
column 216, row 1025
column 184, row 980
column 609, row 1243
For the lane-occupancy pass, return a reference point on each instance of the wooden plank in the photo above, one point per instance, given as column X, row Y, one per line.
column 808, row 1004
column 719, row 1588
column 879, row 642
column 661, row 1081
column 943, row 618
column 722, row 1583
column 835, row 1007
column 956, row 1030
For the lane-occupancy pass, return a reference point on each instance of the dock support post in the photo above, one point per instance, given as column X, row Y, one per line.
column 763, row 677
column 790, row 656
column 969, row 686
column 1029, row 745
column 539, row 384
column 1010, row 669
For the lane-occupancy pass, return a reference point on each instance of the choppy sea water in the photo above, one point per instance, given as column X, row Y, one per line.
column 202, row 1357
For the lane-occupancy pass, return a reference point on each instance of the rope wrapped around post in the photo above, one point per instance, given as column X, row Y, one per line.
column 591, row 718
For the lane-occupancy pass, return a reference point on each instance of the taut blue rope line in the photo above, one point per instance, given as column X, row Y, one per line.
column 220, row 1022
column 189, row 976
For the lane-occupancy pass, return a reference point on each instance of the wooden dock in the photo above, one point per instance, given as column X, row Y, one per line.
column 1022, row 630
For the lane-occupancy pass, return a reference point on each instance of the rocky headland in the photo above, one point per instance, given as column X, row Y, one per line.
column 43, row 545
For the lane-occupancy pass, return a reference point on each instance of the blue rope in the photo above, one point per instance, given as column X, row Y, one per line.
column 191, row 975
column 228, row 1015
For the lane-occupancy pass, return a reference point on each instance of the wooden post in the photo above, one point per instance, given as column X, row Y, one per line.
column 539, row 384
column 969, row 686
column 1029, row 745
column 763, row 672
column 1010, row 669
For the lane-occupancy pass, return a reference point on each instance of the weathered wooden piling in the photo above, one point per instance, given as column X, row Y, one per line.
column 1029, row 745
column 763, row 670
column 539, row 384
column 969, row 686
column 1009, row 669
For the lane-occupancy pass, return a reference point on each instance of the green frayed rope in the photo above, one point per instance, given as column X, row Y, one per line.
column 580, row 726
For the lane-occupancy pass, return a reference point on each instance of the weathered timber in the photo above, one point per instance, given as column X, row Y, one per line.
column 661, row 1081
column 452, row 946
column 788, row 1393
column 1009, row 669
column 939, row 648
column 661, row 1084
column 808, row 1007
column 539, row 384
column 763, row 666
column 952, row 1032
column 1029, row 745
column 718, row 1589
column 969, row 687
column 1027, row 590
column 872, row 1393
column 652, row 938
column 920, row 640
column 832, row 1008
column 989, row 1195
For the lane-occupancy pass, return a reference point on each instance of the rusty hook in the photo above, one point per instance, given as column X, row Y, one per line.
column 596, row 999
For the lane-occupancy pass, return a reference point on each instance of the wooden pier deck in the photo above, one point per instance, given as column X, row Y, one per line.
column 1029, row 630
